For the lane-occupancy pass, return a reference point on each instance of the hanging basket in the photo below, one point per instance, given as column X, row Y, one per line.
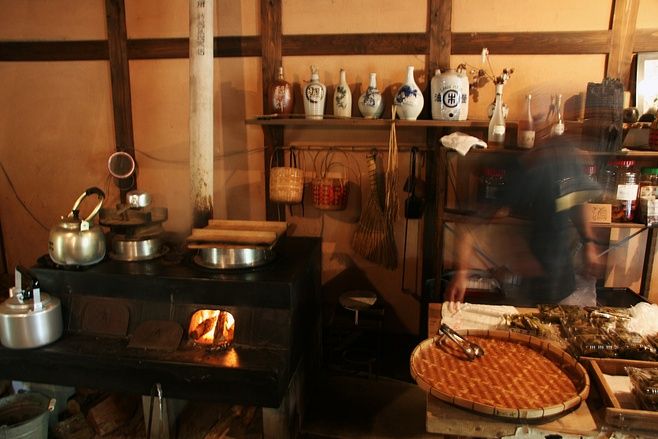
column 287, row 182
column 331, row 193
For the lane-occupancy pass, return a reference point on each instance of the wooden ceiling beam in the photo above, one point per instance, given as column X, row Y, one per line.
column 53, row 50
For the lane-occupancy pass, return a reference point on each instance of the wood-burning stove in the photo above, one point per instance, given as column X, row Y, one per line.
column 109, row 309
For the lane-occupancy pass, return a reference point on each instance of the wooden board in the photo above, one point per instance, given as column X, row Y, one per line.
column 279, row 227
column 446, row 419
column 618, row 413
column 233, row 236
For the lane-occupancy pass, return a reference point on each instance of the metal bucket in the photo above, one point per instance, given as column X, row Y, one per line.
column 24, row 415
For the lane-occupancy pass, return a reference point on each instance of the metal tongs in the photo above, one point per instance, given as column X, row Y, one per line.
column 472, row 350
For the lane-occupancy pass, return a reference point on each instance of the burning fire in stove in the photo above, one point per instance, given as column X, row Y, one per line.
column 212, row 328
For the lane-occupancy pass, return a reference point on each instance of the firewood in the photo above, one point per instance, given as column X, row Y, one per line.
column 223, row 425
column 111, row 413
column 75, row 427
column 202, row 328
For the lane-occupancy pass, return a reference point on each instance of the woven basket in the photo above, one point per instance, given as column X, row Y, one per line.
column 287, row 182
column 518, row 377
column 331, row 193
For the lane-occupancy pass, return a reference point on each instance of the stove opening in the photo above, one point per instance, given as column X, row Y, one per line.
column 212, row 328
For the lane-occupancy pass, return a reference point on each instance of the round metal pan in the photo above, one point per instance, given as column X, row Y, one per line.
column 225, row 258
column 137, row 249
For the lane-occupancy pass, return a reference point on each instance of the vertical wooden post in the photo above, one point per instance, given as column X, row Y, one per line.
column 201, row 110
column 115, row 11
column 271, row 37
column 621, row 44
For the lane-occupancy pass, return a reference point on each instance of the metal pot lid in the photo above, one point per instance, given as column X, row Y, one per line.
column 14, row 306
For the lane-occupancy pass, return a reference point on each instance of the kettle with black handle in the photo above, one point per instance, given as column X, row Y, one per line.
column 73, row 241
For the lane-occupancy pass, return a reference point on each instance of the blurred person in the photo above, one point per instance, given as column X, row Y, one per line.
column 549, row 189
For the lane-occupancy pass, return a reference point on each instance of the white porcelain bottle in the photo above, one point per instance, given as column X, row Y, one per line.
column 342, row 97
column 449, row 95
column 314, row 95
column 409, row 100
column 371, row 103
column 496, row 135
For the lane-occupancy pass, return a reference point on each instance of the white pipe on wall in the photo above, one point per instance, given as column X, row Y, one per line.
column 201, row 110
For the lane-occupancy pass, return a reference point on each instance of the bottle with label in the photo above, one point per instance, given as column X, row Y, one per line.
column 496, row 135
column 280, row 95
column 648, row 197
column 621, row 186
column 526, row 133
column 491, row 186
column 314, row 95
column 558, row 127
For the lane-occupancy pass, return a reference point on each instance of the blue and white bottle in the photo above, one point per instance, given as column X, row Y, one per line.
column 371, row 103
column 409, row 100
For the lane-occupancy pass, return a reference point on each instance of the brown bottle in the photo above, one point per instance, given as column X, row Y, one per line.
column 280, row 95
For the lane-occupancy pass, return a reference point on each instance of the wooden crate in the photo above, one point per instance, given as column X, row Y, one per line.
column 621, row 409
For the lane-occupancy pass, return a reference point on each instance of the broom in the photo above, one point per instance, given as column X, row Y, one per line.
column 374, row 239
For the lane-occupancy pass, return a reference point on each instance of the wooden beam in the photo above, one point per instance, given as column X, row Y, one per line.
column 271, row 52
column 529, row 43
column 53, row 50
column 120, row 76
column 356, row 44
column 646, row 40
column 621, row 44
column 440, row 35
column 224, row 47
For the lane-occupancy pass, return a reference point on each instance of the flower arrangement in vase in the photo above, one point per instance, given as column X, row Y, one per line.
column 480, row 77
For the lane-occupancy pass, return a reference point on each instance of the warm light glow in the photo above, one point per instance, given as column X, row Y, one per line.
column 212, row 328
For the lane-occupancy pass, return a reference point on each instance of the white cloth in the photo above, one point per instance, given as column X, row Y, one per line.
column 462, row 142
column 463, row 316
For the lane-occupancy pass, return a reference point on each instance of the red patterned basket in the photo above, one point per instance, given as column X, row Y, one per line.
column 331, row 193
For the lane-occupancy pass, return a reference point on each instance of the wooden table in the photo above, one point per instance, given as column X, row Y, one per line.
column 447, row 419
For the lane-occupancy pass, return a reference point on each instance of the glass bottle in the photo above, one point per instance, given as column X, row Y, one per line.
column 496, row 136
column 558, row 127
column 342, row 97
column 526, row 133
column 620, row 182
column 280, row 95
column 314, row 96
column 648, row 196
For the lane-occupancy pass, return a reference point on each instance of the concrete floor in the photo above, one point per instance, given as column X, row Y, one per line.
column 354, row 407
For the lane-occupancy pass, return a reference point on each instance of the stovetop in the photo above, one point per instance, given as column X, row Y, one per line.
column 175, row 274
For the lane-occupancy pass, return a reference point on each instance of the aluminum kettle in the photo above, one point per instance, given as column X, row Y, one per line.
column 29, row 318
column 78, row 242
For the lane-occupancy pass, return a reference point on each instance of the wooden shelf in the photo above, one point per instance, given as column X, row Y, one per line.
column 452, row 216
column 329, row 121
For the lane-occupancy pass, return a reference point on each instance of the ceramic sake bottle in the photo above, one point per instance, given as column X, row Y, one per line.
column 280, row 95
column 314, row 95
column 371, row 103
column 409, row 100
column 449, row 95
column 342, row 97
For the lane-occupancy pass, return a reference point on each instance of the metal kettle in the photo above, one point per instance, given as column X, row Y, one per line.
column 29, row 318
column 78, row 242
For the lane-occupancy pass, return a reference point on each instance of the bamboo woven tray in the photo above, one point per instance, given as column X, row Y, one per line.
column 519, row 376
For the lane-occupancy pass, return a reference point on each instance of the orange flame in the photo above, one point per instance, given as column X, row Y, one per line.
column 212, row 327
